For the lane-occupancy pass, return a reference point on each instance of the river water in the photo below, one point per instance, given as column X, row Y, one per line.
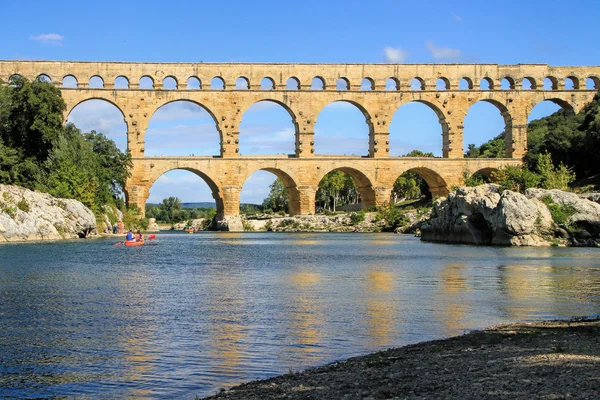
column 186, row 315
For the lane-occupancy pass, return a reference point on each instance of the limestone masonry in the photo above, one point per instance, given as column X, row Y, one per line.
column 378, row 90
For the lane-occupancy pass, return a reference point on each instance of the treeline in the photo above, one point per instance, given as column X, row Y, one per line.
column 39, row 152
column 572, row 140
column 171, row 211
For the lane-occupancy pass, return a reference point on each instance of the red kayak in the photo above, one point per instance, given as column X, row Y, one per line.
column 130, row 243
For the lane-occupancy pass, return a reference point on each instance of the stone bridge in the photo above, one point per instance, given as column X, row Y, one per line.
column 378, row 90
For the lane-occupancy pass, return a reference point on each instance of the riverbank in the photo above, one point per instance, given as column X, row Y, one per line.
column 545, row 360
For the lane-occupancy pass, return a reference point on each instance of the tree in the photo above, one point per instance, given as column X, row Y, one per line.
column 169, row 208
column 331, row 188
column 278, row 197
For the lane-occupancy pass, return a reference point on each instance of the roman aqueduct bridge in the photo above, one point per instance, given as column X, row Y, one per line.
column 378, row 90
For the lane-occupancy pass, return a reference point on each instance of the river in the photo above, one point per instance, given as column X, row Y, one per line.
column 186, row 315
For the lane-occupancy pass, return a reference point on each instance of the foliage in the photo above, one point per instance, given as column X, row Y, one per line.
column 392, row 215
column 248, row 227
column 515, row 178
column 554, row 178
column 337, row 188
column 473, row 180
column 132, row 219
column 171, row 211
column 357, row 217
column 278, row 197
column 490, row 149
column 561, row 213
column 23, row 205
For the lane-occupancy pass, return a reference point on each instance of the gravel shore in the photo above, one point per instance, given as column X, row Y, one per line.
column 546, row 360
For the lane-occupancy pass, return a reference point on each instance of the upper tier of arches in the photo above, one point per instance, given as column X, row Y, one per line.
column 351, row 77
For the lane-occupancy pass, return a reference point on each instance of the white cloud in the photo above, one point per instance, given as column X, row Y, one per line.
column 457, row 18
column 395, row 55
column 48, row 38
column 442, row 53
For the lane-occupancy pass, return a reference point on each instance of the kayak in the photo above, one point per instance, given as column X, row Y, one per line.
column 130, row 243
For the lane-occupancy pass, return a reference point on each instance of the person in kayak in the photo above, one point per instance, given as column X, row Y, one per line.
column 129, row 236
column 138, row 236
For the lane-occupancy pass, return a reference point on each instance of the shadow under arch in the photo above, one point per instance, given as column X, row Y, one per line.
column 486, row 172
column 196, row 103
column 437, row 184
column 564, row 104
column 214, row 187
column 290, row 184
column 362, row 181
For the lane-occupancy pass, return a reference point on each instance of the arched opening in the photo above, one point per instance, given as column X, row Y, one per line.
column 571, row 83
column 12, row 78
column 417, row 185
column 121, row 82
column 392, row 84
column 182, row 128
column 342, row 84
column 484, row 127
column 507, row 83
column 481, row 176
column 465, row 84
column 193, row 83
column 317, row 83
column 550, row 83
column 269, row 190
column 69, row 82
column 146, row 83
column 267, row 83
column 344, row 189
column 367, row 84
column 528, row 83
column 267, row 127
column 442, row 84
column 242, row 83
column 292, row 83
column 103, row 117
column 342, row 128
column 96, row 82
column 417, row 84
column 217, row 83
column 44, row 78
column 183, row 197
column 169, row 83
column 592, row 83
column 486, row 84
column 548, row 107
column 416, row 126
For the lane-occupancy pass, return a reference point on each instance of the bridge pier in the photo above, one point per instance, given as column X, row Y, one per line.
column 136, row 195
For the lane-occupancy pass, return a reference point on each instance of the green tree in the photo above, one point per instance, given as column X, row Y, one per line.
column 278, row 197
column 169, row 209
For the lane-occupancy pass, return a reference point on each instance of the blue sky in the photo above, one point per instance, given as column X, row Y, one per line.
column 525, row 31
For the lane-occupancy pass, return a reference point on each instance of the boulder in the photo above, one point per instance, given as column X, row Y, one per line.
column 228, row 223
column 28, row 215
column 152, row 225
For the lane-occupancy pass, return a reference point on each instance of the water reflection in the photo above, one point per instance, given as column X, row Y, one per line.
column 382, row 307
column 306, row 321
column 453, row 290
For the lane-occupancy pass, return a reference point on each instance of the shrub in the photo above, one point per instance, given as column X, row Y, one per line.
column 357, row 217
column 554, row 177
column 560, row 212
column 248, row 227
column 473, row 180
column 269, row 225
column 23, row 205
column 517, row 179
column 392, row 216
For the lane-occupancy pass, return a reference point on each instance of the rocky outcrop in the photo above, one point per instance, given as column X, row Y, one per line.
column 314, row 223
column 152, row 225
column 486, row 215
column 229, row 223
column 28, row 215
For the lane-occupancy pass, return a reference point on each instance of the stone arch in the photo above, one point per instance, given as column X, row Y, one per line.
column 69, row 81
column 504, row 113
column 170, row 83
column 507, row 83
column 43, row 78
column 437, row 184
column 528, row 83
column 438, row 113
column 242, row 83
column 563, row 104
column 292, row 83
column 571, row 83
column 465, row 83
column 71, row 107
column 593, row 83
column 146, row 80
column 357, row 105
column 363, row 182
column 392, row 83
column 217, row 83
column 283, row 105
column 267, row 83
column 417, row 83
column 550, row 83
column 289, row 182
column 342, row 84
column 195, row 103
column 193, row 83
column 121, row 82
column 317, row 83
column 213, row 184
column 486, row 172
column 442, row 83
column 14, row 76
column 367, row 84
column 486, row 83
column 96, row 82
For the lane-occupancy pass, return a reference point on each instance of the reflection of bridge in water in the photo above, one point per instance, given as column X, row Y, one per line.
column 378, row 90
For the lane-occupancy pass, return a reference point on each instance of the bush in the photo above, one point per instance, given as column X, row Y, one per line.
column 248, row 227
column 560, row 212
column 357, row 217
column 473, row 180
column 517, row 179
column 392, row 216
column 23, row 205
column 554, row 177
